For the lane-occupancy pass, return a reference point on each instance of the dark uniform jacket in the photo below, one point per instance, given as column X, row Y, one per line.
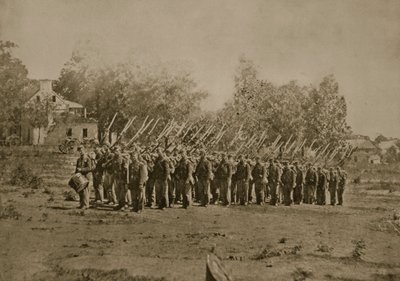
column 137, row 173
column 273, row 174
column 84, row 163
column 333, row 180
column 299, row 177
column 311, row 177
column 288, row 177
column 224, row 170
column 259, row 172
column 342, row 179
column 243, row 171
column 184, row 170
column 322, row 179
column 161, row 169
column 204, row 169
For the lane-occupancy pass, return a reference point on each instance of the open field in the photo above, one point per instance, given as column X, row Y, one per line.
column 43, row 236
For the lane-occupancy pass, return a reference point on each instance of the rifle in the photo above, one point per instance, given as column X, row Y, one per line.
column 109, row 127
column 128, row 124
column 154, row 126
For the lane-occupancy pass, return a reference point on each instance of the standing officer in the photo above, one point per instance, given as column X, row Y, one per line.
column 298, row 190
column 259, row 175
column 204, row 175
column 273, row 181
column 333, row 185
column 83, row 166
column 243, row 175
column 161, row 174
column 224, row 175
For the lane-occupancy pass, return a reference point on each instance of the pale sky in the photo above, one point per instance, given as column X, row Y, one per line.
column 304, row 40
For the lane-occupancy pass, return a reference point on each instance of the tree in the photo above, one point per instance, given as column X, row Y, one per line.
column 39, row 114
column 13, row 82
column 131, row 89
column 325, row 113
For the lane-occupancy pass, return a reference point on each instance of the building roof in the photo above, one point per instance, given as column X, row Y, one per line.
column 362, row 144
column 385, row 145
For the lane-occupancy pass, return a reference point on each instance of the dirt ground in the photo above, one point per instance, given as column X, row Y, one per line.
column 44, row 237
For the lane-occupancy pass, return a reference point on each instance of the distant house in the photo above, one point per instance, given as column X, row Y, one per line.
column 366, row 152
column 385, row 145
column 65, row 119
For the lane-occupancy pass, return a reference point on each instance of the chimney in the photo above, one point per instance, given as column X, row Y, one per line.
column 46, row 85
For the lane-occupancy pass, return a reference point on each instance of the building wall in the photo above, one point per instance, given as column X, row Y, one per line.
column 365, row 157
column 60, row 130
column 57, row 133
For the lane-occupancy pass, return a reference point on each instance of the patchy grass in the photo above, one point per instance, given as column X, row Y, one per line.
column 9, row 212
column 269, row 252
column 94, row 275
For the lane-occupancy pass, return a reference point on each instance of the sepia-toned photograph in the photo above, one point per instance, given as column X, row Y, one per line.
column 187, row 140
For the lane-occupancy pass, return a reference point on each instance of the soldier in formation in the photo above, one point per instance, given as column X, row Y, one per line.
column 136, row 179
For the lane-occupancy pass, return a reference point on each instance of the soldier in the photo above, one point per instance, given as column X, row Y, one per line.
column 333, row 185
column 298, row 190
column 251, row 181
column 120, row 168
column 137, row 181
column 342, row 177
column 214, row 184
column 83, row 166
column 311, row 180
column 224, row 175
column 161, row 174
column 171, row 180
column 273, row 181
column 98, row 176
column 150, row 193
column 259, row 174
column 234, row 198
column 288, row 179
column 243, row 175
column 109, row 177
column 321, row 187
column 184, row 176
column 204, row 175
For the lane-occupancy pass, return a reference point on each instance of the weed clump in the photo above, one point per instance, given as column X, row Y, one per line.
column 24, row 177
column 324, row 248
column 359, row 249
column 269, row 252
column 9, row 212
column 301, row 274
